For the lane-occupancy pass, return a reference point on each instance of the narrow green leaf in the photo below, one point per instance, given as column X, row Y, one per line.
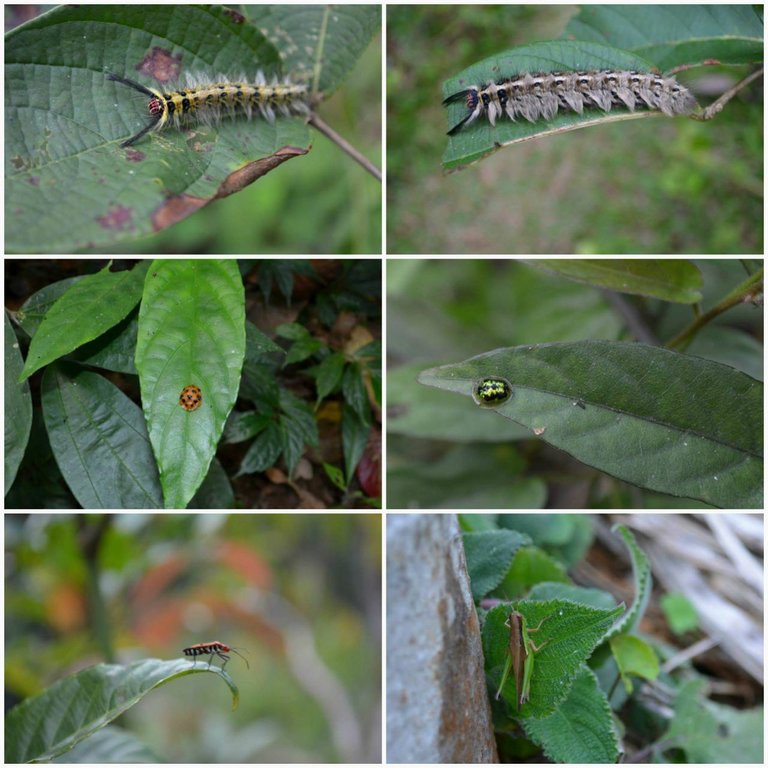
column 90, row 307
column 18, row 406
column 642, row 582
column 99, row 439
column 191, row 332
column 354, row 437
column 51, row 723
column 329, row 374
column 662, row 420
column 668, row 279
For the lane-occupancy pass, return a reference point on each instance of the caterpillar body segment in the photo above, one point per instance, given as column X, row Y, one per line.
column 208, row 102
column 541, row 96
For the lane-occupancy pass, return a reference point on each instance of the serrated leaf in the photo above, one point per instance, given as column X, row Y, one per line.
column 191, row 332
column 582, row 729
column 480, row 138
column 90, row 307
column 51, row 723
column 668, row 279
column 642, row 582
column 264, row 451
column 567, row 636
column 662, row 420
column 489, row 555
column 99, row 440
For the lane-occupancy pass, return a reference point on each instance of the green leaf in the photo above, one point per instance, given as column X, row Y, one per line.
column 642, row 582
column 18, row 406
column 634, row 657
column 51, row 723
column 530, row 566
column 65, row 120
column 415, row 411
column 489, row 555
column 319, row 41
column 354, row 438
column 668, row 279
column 480, row 138
column 335, row 475
column 304, row 343
column 90, row 307
column 191, row 331
column 582, row 729
column 258, row 344
column 567, row 637
column 99, row 439
column 711, row 733
column 264, row 451
column 328, row 374
column 354, row 391
column 680, row 613
column 662, row 420
column 675, row 35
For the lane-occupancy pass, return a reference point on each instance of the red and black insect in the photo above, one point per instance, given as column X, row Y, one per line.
column 214, row 648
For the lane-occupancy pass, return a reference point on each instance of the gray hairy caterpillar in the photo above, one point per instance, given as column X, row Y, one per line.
column 540, row 96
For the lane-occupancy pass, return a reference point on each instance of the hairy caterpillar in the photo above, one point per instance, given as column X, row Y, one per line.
column 209, row 102
column 540, row 96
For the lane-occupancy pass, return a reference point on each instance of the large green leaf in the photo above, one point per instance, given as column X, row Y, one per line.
column 54, row 721
column 673, row 35
column 90, row 307
column 665, row 421
column 318, row 42
column 69, row 185
column 99, row 440
column 568, row 634
column 18, row 406
column 479, row 139
column 191, row 332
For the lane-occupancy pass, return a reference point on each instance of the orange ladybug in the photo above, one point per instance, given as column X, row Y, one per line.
column 191, row 397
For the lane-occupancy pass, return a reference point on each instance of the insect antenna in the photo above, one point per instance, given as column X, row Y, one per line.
column 155, row 111
column 241, row 656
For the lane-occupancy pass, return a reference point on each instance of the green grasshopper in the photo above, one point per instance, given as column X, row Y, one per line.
column 520, row 655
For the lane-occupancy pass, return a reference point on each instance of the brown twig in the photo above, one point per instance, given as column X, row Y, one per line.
column 717, row 106
column 326, row 130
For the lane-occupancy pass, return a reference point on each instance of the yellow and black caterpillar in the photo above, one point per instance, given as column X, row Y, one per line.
column 540, row 96
column 208, row 102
